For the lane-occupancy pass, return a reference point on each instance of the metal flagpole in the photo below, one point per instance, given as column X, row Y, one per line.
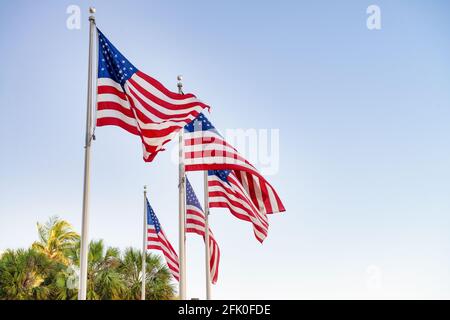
column 207, row 247
column 144, row 246
column 182, row 207
column 87, row 155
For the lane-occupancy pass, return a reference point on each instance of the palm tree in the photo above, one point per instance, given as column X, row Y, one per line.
column 104, row 280
column 56, row 238
column 158, row 276
column 22, row 275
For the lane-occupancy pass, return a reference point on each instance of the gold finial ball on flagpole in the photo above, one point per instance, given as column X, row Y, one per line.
column 91, row 10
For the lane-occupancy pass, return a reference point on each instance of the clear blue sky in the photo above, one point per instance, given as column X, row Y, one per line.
column 364, row 130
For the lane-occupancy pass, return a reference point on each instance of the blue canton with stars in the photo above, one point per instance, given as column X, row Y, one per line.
column 191, row 198
column 152, row 219
column 221, row 174
column 201, row 123
column 111, row 63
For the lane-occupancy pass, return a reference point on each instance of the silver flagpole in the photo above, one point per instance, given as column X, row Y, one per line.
column 207, row 248
column 144, row 246
column 87, row 155
column 182, row 207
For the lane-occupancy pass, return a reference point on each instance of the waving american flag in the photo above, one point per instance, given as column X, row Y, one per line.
column 195, row 223
column 226, row 191
column 136, row 102
column 157, row 240
column 206, row 149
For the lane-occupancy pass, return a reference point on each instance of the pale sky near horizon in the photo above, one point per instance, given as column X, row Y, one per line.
column 363, row 119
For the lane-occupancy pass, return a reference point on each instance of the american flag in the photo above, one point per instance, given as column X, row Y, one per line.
column 206, row 149
column 226, row 191
column 195, row 223
column 136, row 102
column 157, row 240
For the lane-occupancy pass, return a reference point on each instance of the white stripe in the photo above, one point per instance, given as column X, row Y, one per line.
column 258, row 195
column 273, row 200
column 244, row 181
